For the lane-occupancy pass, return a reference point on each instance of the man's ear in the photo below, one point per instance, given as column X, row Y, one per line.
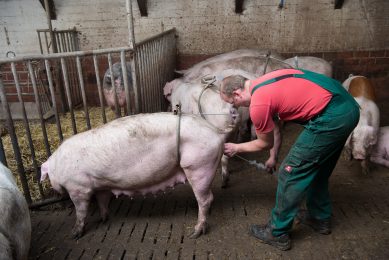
column 236, row 93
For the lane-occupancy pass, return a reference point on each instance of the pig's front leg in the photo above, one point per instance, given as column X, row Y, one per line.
column 225, row 173
column 81, row 203
column 347, row 149
column 365, row 166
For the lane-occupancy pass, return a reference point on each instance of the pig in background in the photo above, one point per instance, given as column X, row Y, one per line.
column 360, row 143
column 380, row 151
column 137, row 155
column 118, row 82
column 15, row 223
column 311, row 63
column 250, row 60
column 225, row 118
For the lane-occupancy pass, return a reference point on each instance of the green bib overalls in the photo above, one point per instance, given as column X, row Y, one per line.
column 305, row 171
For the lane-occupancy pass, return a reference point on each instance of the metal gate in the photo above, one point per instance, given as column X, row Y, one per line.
column 65, row 41
column 152, row 65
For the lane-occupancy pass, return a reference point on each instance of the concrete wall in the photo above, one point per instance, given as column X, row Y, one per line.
column 206, row 27
column 354, row 38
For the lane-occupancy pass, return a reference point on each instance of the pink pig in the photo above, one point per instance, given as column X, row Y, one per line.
column 137, row 155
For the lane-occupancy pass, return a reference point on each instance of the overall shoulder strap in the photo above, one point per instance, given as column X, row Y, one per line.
column 269, row 81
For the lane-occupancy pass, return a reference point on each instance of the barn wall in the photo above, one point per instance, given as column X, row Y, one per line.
column 206, row 27
column 354, row 38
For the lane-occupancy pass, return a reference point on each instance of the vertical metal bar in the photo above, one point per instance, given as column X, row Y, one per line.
column 2, row 153
column 162, row 64
column 47, row 43
column 40, row 42
column 39, row 108
column 142, row 83
column 27, row 128
column 62, row 35
column 99, row 88
column 117, row 112
column 53, row 41
column 75, row 89
column 81, row 79
column 14, row 141
column 68, row 36
column 67, row 89
column 142, row 71
column 130, row 22
column 126, row 83
column 135, row 80
column 58, row 41
column 149, row 76
column 155, row 86
column 51, row 87
column 144, row 78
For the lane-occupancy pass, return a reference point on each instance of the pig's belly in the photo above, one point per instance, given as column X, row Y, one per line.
column 151, row 168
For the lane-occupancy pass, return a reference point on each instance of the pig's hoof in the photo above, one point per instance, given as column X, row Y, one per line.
column 76, row 234
column 225, row 183
column 201, row 231
column 104, row 219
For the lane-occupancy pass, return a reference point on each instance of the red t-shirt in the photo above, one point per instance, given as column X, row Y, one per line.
column 289, row 99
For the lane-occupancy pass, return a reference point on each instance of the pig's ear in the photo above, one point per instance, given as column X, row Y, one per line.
column 167, row 90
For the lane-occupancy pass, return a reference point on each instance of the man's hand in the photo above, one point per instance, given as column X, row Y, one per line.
column 230, row 149
column 270, row 164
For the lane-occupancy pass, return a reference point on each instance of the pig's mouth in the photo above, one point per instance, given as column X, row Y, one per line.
column 359, row 157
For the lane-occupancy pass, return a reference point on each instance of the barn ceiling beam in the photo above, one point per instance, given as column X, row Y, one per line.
column 142, row 7
column 239, row 6
column 338, row 4
column 53, row 14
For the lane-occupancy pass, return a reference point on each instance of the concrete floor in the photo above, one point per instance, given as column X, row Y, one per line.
column 157, row 228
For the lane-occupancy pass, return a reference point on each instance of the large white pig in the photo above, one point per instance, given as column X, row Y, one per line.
column 311, row 63
column 364, row 136
column 380, row 152
column 249, row 60
column 225, row 118
column 140, row 154
column 15, row 223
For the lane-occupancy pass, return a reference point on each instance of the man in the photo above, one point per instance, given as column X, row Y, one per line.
column 328, row 114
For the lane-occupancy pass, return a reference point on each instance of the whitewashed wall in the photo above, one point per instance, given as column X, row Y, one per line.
column 206, row 27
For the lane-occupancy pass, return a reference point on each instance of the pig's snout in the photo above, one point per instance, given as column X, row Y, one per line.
column 359, row 156
column 234, row 115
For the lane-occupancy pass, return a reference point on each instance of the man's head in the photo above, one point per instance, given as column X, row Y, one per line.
column 234, row 91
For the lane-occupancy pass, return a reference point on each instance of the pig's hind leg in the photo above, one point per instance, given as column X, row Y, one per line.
column 103, row 198
column 201, row 181
column 81, row 202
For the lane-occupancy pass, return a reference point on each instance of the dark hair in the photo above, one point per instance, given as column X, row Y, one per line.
column 231, row 83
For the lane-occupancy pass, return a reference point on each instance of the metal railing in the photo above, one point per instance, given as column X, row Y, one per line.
column 66, row 40
column 152, row 65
